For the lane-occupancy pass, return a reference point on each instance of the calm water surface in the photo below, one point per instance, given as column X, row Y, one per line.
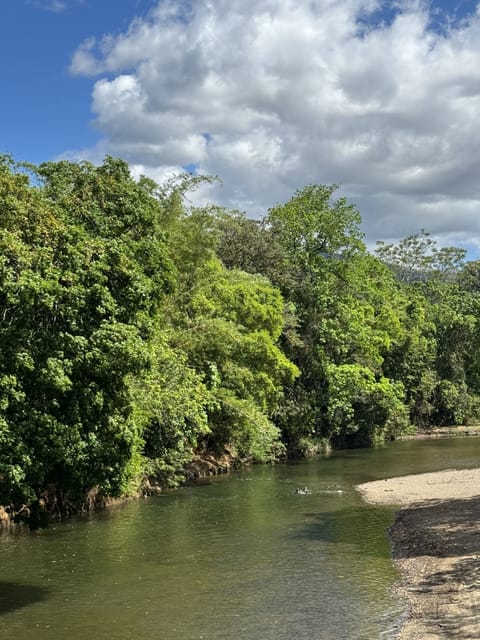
column 243, row 557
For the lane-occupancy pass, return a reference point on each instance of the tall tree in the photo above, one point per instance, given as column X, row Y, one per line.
column 344, row 321
column 83, row 271
column 228, row 323
column 417, row 258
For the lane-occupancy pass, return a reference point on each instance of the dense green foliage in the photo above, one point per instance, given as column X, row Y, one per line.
column 84, row 269
column 137, row 332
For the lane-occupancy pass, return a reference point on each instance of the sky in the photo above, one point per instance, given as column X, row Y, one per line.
column 379, row 97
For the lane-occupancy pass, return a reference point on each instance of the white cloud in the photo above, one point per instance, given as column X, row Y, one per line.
column 274, row 94
column 54, row 6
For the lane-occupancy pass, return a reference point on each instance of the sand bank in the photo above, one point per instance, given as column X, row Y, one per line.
column 436, row 546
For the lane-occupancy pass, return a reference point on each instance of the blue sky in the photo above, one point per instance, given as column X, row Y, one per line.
column 381, row 97
column 46, row 110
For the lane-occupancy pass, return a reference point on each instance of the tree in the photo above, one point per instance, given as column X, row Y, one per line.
column 249, row 245
column 417, row 258
column 83, row 272
column 228, row 323
column 171, row 402
column 345, row 304
column 468, row 277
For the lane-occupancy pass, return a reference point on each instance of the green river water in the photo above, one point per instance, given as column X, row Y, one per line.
column 242, row 557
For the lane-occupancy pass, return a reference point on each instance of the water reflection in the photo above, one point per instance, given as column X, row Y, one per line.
column 243, row 557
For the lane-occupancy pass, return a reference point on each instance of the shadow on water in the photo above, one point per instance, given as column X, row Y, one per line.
column 359, row 526
column 15, row 596
column 336, row 527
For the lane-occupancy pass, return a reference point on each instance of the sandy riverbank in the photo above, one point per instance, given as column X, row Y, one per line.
column 436, row 545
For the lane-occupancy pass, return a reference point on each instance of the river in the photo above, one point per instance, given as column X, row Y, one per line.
column 242, row 557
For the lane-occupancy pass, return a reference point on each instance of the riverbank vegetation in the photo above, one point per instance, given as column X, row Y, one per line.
column 138, row 333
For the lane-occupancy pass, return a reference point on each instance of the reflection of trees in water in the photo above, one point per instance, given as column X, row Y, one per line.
column 14, row 596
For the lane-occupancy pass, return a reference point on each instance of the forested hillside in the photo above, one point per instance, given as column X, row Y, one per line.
column 137, row 332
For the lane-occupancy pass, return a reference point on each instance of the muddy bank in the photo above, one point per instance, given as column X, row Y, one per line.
column 436, row 546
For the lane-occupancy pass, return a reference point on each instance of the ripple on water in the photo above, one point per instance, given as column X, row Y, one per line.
column 243, row 557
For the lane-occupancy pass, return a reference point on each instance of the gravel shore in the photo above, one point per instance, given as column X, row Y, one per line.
column 436, row 545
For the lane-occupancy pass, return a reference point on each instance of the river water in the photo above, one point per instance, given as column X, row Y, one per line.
column 241, row 557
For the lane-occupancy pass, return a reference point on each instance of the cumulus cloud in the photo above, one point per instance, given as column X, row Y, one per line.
column 380, row 97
